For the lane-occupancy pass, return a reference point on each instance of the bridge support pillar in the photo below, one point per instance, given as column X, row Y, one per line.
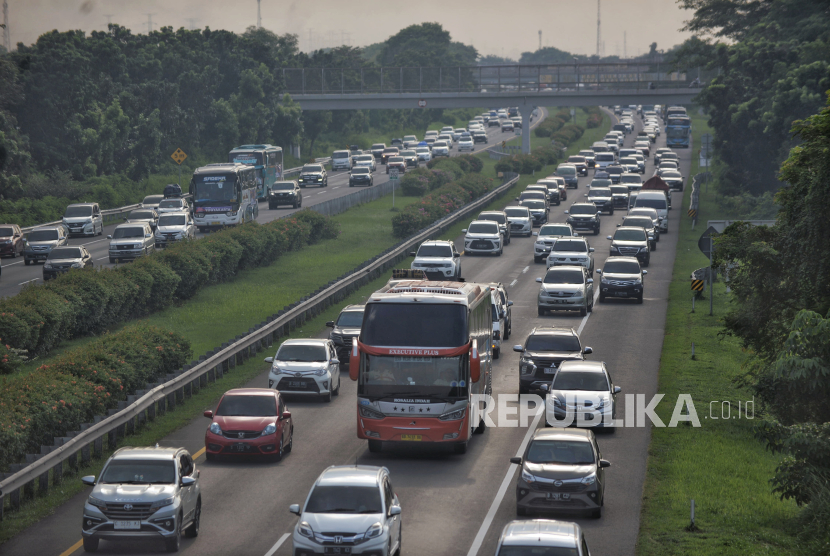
column 526, row 111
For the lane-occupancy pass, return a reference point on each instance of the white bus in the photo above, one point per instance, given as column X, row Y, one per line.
column 224, row 195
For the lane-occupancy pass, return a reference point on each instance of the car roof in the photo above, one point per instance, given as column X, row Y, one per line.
column 583, row 365
column 552, row 331
column 146, row 452
column 139, row 223
column 175, row 213
column 541, row 532
column 56, row 228
column 93, row 204
column 584, row 204
column 305, row 342
column 250, row 392
column 558, row 433
column 351, row 475
column 627, row 259
column 437, row 242
column 354, row 307
column 493, row 212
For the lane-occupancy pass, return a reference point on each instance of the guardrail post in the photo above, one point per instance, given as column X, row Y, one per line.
column 171, row 401
column 112, row 438
column 57, row 473
column 98, row 447
column 2, row 503
column 14, row 499
column 219, row 371
column 151, row 412
column 85, row 455
column 43, row 483
column 72, row 461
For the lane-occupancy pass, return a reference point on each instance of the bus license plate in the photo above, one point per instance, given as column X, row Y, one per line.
column 126, row 525
column 215, row 223
column 415, row 437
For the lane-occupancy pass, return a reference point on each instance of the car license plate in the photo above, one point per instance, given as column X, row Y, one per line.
column 558, row 496
column 215, row 223
column 240, row 447
column 337, row 550
column 296, row 384
column 412, row 437
column 550, row 370
column 126, row 525
column 621, row 294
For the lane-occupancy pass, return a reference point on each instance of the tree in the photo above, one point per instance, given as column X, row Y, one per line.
column 315, row 122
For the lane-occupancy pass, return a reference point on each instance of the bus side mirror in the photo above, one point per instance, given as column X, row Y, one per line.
column 475, row 363
column 354, row 360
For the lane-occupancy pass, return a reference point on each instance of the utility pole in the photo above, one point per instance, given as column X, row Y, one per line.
column 540, row 39
column 258, row 14
column 109, row 19
column 192, row 21
column 7, row 34
column 310, row 40
column 599, row 40
column 150, row 23
column 625, row 45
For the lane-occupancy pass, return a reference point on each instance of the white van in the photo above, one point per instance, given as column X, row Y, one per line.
column 600, row 147
column 604, row 159
column 657, row 201
column 341, row 160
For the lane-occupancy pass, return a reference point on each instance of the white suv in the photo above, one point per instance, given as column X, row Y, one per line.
column 571, row 251
column 306, row 367
column 351, row 509
column 438, row 257
column 542, row 536
column 483, row 236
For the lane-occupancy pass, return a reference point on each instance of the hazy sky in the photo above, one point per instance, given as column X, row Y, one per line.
column 501, row 27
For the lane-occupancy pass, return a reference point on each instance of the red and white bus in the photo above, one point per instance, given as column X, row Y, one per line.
column 423, row 352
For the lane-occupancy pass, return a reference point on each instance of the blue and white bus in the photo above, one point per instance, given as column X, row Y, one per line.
column 267, row 161
column 678, row 131
column 223, row 195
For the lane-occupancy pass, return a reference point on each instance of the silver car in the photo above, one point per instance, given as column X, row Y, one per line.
column 173, row 205
column 483, row 237
column 542, row 536
column 131, row 241
column 547, row 236
column 351, row 509
column 520, row 219
column 571, row 251
column 143, row 493
column 307, row 367
column 83, row 219
column 583, row 393
column 40, row 242
column 566, row 288
column 173, row 227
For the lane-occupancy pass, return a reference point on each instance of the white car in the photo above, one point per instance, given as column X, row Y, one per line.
column 173, row 227
column 566, row 288
column 457, row 133
column 542, row 536
column 520, row 220
column 574, row 385
column 446, row 129
column 448, row 138
column 571, row 251
column 465, row 143
column 651, row 213
column 409, row 141
column 547, row 236
column 440, row 148
column 438, row 257
column 305, row 367
column 424, row 154
column 367, row 160
column 173, row 205
column 431, row 133
column 356, row 501
column 484, row 237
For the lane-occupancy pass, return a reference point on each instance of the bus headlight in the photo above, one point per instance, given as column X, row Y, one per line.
column 454, row 415
column 370, row 413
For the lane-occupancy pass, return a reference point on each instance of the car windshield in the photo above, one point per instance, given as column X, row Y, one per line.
column 247, row 406
column 580, row 380
column 619, row 190
column 408, row 153
column 671, row 174
column 171, row 203
column 409, row 138
column 628, row 160
column 312, row 168
column 566, row 170
column 343, row 499
column 518, row 212
column 622, row 267
column 340, row 154
column 74, row 212
column 365, row 158
column 362, row 170
column 576, row 159
column 350, row 319
column 434, row 251
column 141, row 215
column 440, row 144
column 43, row 235
column 492, row 217
column 563, row 452
column 283, row 186
column 390, row 150
column 395, row 159
column 534, row 204
column 599, row 192
column 555, row 231
column 121, row 233
column 600, row 182
column 139, row 471
column 378, row 146
column 563, row 276
column 630, row 235
column 583, row 209
column 301, row 353
column 6, row 232
column 642, row 222
column 65, row 253
column 422, row 150
column 152, row 199
column 573, row 245
column 659, row 204
column 551, row 342
column 482, row 228
column 172, row 220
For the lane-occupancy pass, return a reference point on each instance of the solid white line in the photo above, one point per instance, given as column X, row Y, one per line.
column 513, row 283
column 27, row 281
column 508, row 478
column 336, row 187
column 525, row 269
column 96, row 241
column 585, row 318
column 10, row 264
column 278, row 544
column 102, row 258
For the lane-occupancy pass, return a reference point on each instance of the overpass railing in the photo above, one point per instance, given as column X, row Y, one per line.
column 485, row 79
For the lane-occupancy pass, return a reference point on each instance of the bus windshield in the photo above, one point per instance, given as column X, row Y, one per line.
column 214, row 187
column 249, row 158
column 415, row 325
column 406, row 376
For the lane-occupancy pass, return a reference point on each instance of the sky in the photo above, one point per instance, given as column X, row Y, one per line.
column 498, row 27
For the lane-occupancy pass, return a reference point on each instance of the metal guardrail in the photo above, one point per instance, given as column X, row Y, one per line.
column 694, row 202
column 158, row 398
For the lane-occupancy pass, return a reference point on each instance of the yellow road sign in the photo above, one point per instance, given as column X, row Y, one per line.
column 692, row 213
column 178, row 156
column 697, row 285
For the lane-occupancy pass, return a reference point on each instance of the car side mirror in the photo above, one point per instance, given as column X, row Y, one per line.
column 330, row 324
column 335, row 361
column 608, row 237
column 544, row 387
column 109, row 237
column 412, row 253
column 645, row 272
column 456, row 255
column 617, row 389
column 598, row 271
column 394, row 510
column 516, row 460
column 584, row 194
column 89, row 480
column 590, row 249
column 269, row 359
column 517, row 198
column 208, row 413
column 509, row 303
column 539, row 280
column 604, row 463
column 294, row 509
column 588, row 350
column 518, row 349
column 535, row 234
column 147, row 236
column 188, row 481
column 464, row 231
column 590, row 281
column 285, row 415
column 566, row 212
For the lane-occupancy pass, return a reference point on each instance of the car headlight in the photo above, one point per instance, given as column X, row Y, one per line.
column 98, row 503
column 305, row 530
column 527, row 477
column 373, row 532
column 453, row 415
column 321, row 372
column 47, row 266
column 77, row 265
column 157, row 234
column 370, row 413
column 589, row 480
column 643, row 249
column 215, row 428
column 270, row 429
column 162, row 503
column 527, row 367
column 614, row 248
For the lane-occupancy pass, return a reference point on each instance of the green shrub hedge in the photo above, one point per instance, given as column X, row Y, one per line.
column 82, row 383
column 86, row 302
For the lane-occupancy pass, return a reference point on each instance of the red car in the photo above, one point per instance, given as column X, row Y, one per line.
column 396, row 162
column 11, row 240
column 250, row 421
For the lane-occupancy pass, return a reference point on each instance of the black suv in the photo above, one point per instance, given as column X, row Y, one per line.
column 619, row 193
column 346, row 327
column 584, row 216
column 314, row 174
column 602, row 198
column 501, row 218
column 362, row 175
column 285, row 193
column 631, row 241
column 63, row 259
column 545, row 348
column 622, row 278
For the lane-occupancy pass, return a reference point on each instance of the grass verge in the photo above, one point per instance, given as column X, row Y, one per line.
column 720, row 465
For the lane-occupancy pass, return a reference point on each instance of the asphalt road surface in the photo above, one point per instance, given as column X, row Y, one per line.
column 452, row 504
column 15, row 274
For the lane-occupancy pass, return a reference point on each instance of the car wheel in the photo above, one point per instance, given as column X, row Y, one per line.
column 192, row 530
column 583, row 311
column 210, row 457
column 351, row 184
column 90, row 544
column 537, row 260
column 290, row 441
column 14, row 253
column 612, row 211
column 481, row 427
column 173, row 543
column 27, row 262
column 375, row 446
column 337, row 390
column 640, row 299
column 501, row 250
column 591, row 306
column 601, row 298
column 596, row 231
column 496, row 353
column 277, row 457
column 540, row 311
column 327, row 397
column 596, row 514
column 296, row 204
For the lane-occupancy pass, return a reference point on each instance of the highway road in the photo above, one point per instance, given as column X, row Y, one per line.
column 16, row 274
column 452, row 504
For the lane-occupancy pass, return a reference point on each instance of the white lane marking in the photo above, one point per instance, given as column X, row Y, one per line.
column 525, row 270
column 96, row 241
column 585, row 318
column 336, row 187
column 508, row 478
column 513, row 283
column 278, row 544
column 10, row 264
column 27, row 281
column 322, row 193
column 102, row 258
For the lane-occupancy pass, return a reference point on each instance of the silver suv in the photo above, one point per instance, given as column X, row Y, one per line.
column 173, row 227
column 131, row 241
column 542, row 536
column 143, row 493
column 438, row 257
column 83, row 219
column 483, row 236
column 350, row 510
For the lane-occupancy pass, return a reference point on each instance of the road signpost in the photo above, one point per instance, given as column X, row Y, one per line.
column 706, row 244
column 422, row 103
column 393, row 177
column 179, row 156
